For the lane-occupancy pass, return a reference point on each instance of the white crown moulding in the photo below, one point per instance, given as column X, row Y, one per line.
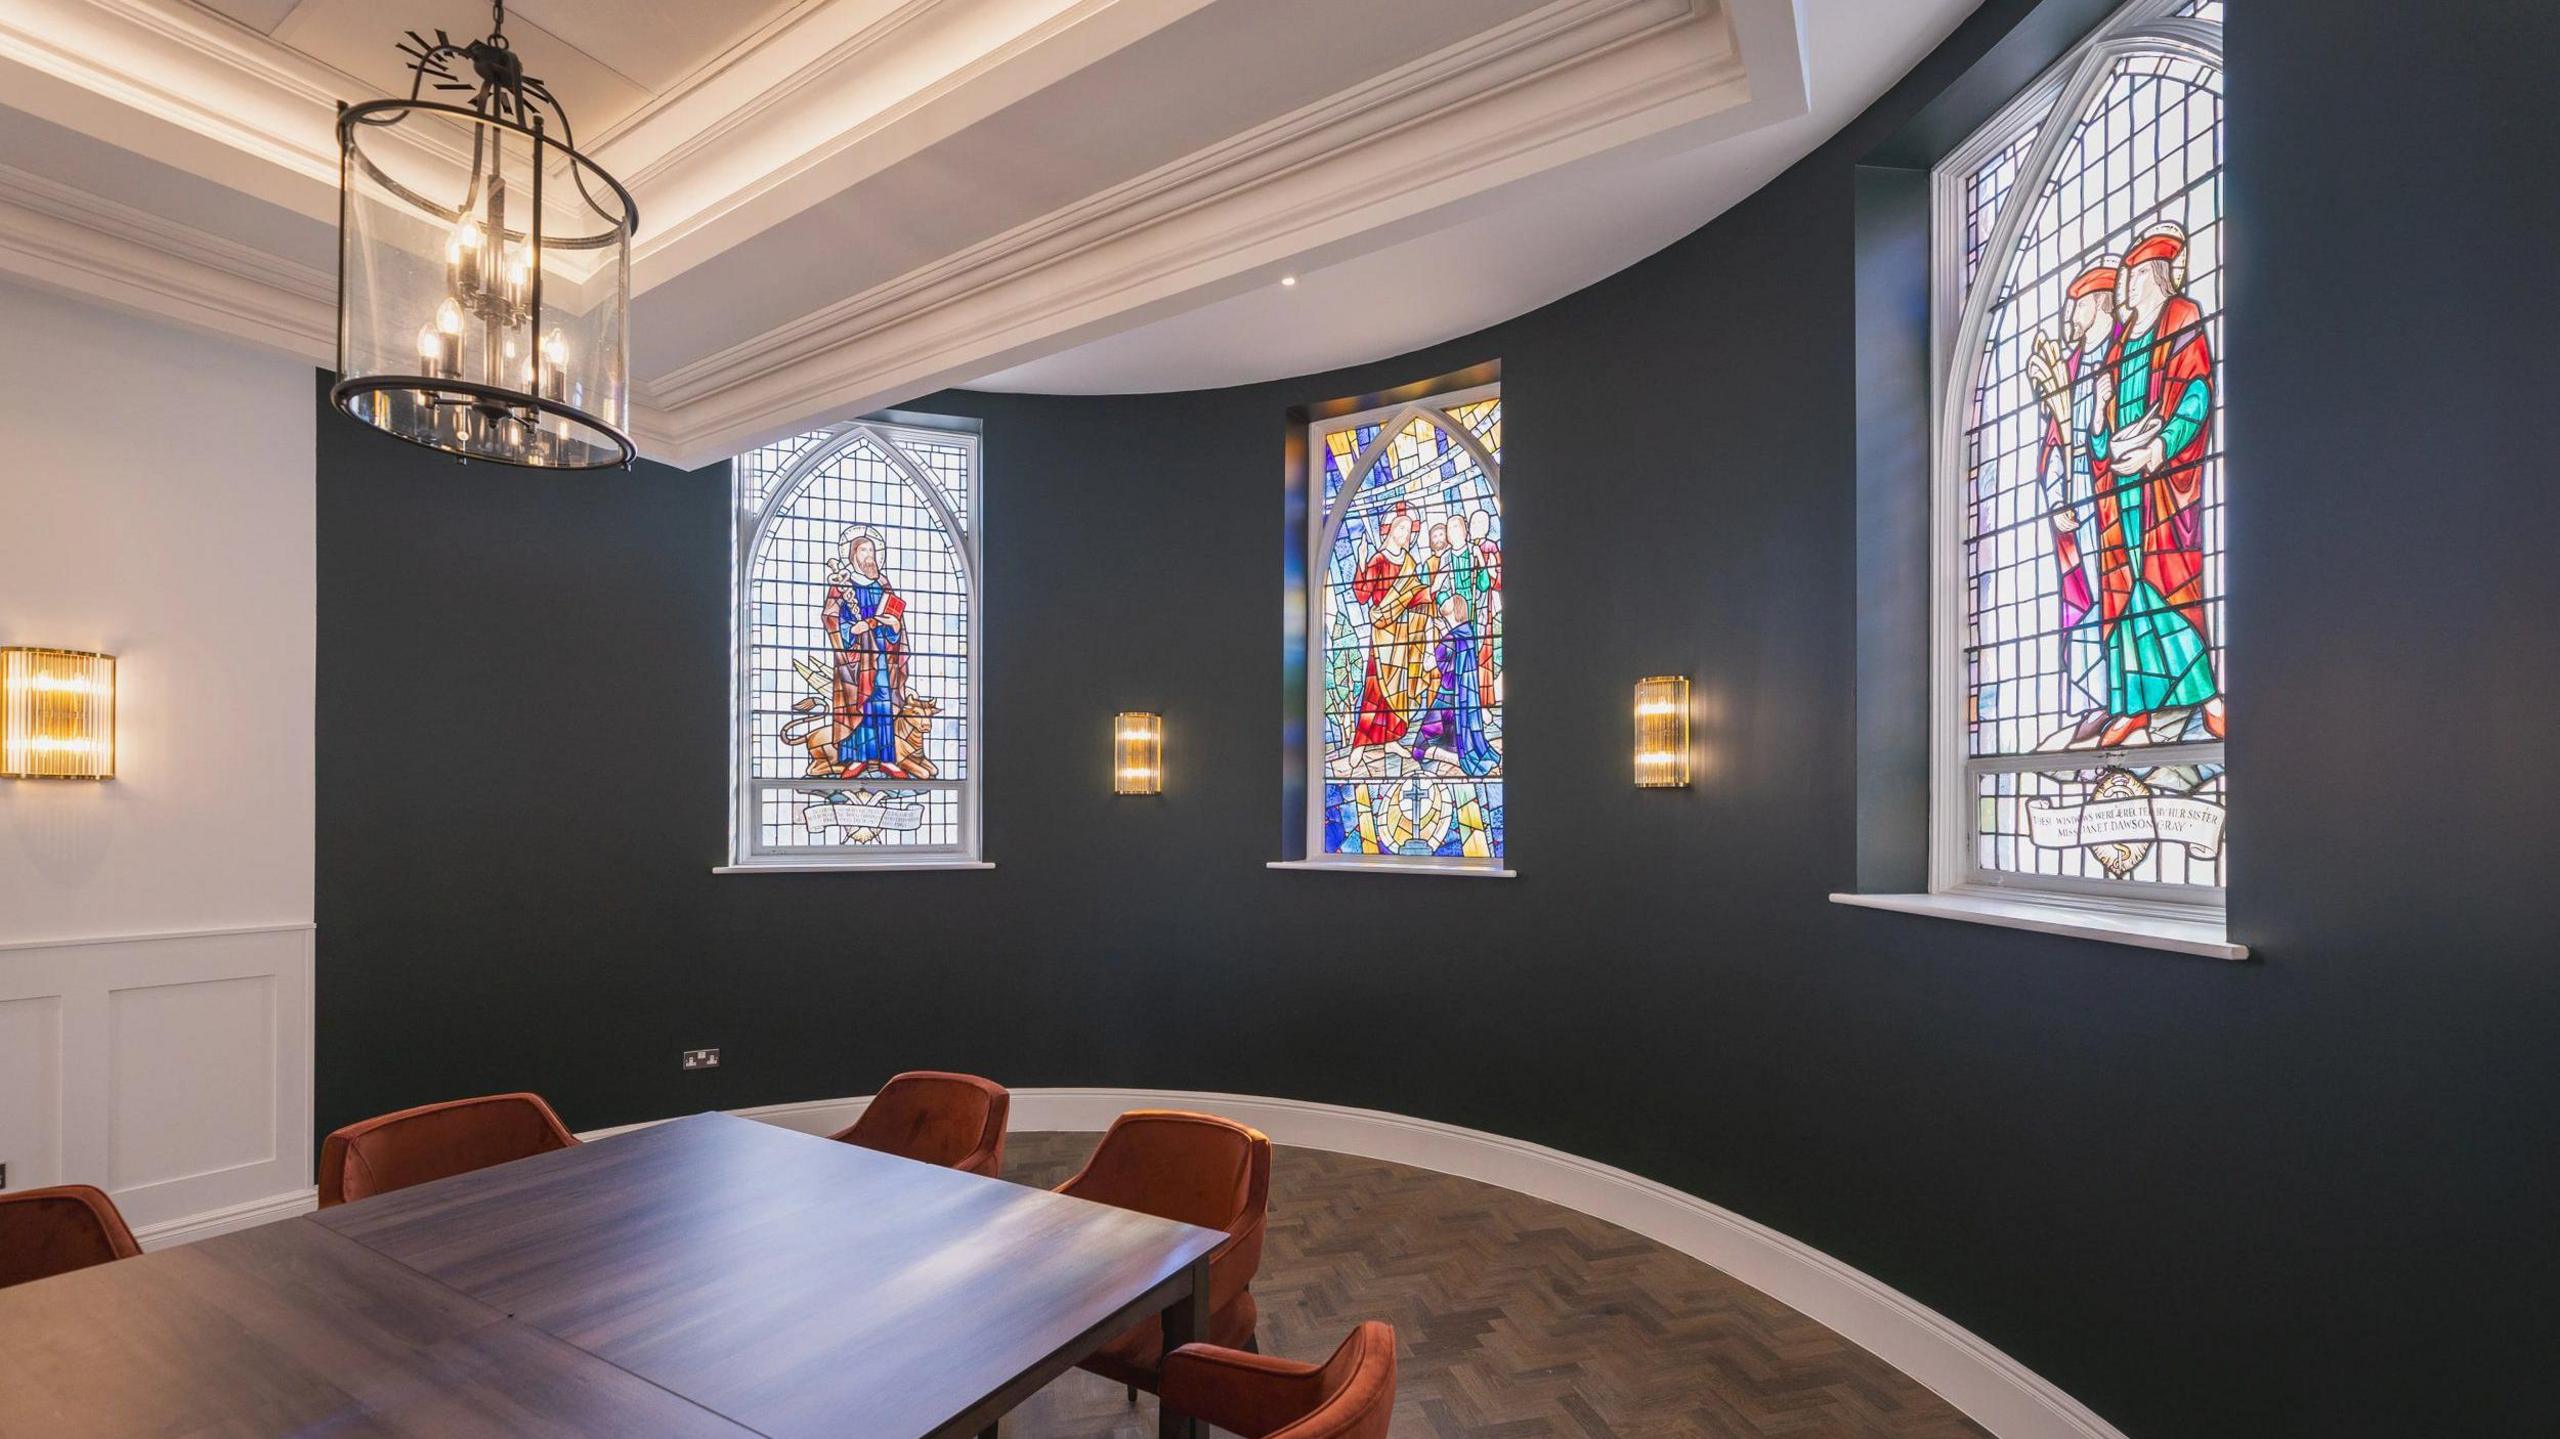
column 816, row 99
column 67, row 238
column 1399, row 154
column 841, row 97
column 832, row 91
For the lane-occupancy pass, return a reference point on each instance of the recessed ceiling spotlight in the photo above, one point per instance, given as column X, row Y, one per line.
column 1288, row 280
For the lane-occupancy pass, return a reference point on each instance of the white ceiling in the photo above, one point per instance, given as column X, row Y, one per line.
column 848, row 203
column 613, row 55
column 1577, row 226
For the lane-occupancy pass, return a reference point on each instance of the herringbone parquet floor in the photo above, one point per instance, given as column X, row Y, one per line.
column 1515, row 1318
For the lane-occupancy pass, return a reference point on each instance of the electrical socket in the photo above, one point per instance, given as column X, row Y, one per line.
column 702, row 1059
column 4, row 1174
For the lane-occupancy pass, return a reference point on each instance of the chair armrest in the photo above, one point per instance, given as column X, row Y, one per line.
column 1247, row 1394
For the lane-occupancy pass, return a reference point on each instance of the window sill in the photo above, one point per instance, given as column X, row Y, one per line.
column 1371, row 866
column 2181, row 936
column 866, row 867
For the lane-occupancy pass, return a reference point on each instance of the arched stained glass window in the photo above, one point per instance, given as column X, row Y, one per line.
column 1405, row 656
column 2081, row 476
column 857, row 688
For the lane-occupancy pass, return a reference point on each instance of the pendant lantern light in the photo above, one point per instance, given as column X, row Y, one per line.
column 484, row 268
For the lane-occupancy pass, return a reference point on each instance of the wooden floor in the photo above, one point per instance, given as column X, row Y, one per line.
column 1515, row 1318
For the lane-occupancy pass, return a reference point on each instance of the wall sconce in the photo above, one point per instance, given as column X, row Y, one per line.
column 1662, row 732
column 1137, row 754
column 57, row 714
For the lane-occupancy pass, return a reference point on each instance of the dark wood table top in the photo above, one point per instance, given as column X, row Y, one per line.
column 290, row 1329
column 726, row 1272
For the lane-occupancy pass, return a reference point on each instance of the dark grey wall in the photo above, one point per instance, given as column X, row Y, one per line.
column 2307, row 1195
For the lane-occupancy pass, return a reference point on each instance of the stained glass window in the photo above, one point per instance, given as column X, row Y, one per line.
column 2086, row 459
column 1405, row 664
column 857, row 718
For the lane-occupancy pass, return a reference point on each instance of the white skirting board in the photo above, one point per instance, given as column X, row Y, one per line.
column 1994, row 1390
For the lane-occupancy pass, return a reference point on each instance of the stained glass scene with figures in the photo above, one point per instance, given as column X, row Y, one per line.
column 857, row 566
column 2092, row 484
column 1407, row 646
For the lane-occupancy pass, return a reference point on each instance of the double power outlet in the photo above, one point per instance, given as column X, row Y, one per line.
column 702, row 1059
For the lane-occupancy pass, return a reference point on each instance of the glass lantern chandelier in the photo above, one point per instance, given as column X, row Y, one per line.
column 484, row 268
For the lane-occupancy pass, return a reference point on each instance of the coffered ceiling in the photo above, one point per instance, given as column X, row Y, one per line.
column 848, row 203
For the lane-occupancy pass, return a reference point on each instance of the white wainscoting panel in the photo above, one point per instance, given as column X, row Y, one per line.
column 171, row 1070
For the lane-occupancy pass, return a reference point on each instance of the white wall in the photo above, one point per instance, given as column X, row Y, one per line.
column 156, row 503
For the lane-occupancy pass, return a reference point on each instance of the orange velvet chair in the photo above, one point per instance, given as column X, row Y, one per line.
column 1350, row 1396
column 45, row 1232
column 434, row 1141
column 1199, row 1169
column 953, row 1120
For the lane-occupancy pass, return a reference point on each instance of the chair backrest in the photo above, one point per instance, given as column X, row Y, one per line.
column 433, row 1141
column 1196, row 1168
column 45, row 1232
column 954, row 1120
column 1350, row 1396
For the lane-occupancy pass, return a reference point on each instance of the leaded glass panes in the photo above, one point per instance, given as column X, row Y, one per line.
column 2090, row 476
column 1407, row 653
column 857, row 592
column 759, row 468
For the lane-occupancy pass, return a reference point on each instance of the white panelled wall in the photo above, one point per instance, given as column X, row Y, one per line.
column 155, row 930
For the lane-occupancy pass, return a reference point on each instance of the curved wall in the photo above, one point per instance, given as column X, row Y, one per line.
column 2295, row 1196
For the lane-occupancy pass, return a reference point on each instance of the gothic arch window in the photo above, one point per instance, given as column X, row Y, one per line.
column 2081, row 684
column 1405, row 677
column 856, row 714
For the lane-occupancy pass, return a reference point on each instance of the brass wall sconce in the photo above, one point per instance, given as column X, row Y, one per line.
column 1137, row 753
column 1662, row 732
column 57, row 714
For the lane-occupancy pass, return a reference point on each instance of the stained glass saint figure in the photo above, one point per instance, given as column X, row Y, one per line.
column 1391, row 586
column 2148, row 450
column 866, row 627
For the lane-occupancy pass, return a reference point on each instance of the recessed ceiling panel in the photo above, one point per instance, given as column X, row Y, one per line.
column 1212, row 75
column 360, row 37
column 656, row 43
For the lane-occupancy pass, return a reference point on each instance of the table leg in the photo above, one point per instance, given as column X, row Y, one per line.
column 1185, row 1320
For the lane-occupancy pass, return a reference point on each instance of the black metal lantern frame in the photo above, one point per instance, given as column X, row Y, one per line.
column 493, row 373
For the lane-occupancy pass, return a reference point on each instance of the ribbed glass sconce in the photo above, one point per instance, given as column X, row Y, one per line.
column 1137, row 754
column 57, row 714
column 1662, row 732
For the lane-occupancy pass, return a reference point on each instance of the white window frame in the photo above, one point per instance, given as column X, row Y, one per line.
column 1324, row 526
column 746, row 854
column 1959, row 317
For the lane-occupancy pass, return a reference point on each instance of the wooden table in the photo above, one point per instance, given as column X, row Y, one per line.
column 709, row 1276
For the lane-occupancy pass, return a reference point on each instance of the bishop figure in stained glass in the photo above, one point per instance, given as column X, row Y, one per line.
column 2156, row 423
column 865, row 621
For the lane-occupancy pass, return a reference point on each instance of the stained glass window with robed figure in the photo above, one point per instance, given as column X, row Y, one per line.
column 1405, row 664
column 2082, row 475
column 857, row 688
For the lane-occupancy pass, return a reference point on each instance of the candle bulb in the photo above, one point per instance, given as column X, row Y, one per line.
column 463, row 256
column 519, row 282
column 448, row 339
column 440, row 343
column 553, row 378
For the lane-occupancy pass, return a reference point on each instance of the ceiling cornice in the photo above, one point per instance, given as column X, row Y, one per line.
column 1396, row 154
column 1562, row 82
column 806, row 119
column 58, row 235
column 187, row 88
